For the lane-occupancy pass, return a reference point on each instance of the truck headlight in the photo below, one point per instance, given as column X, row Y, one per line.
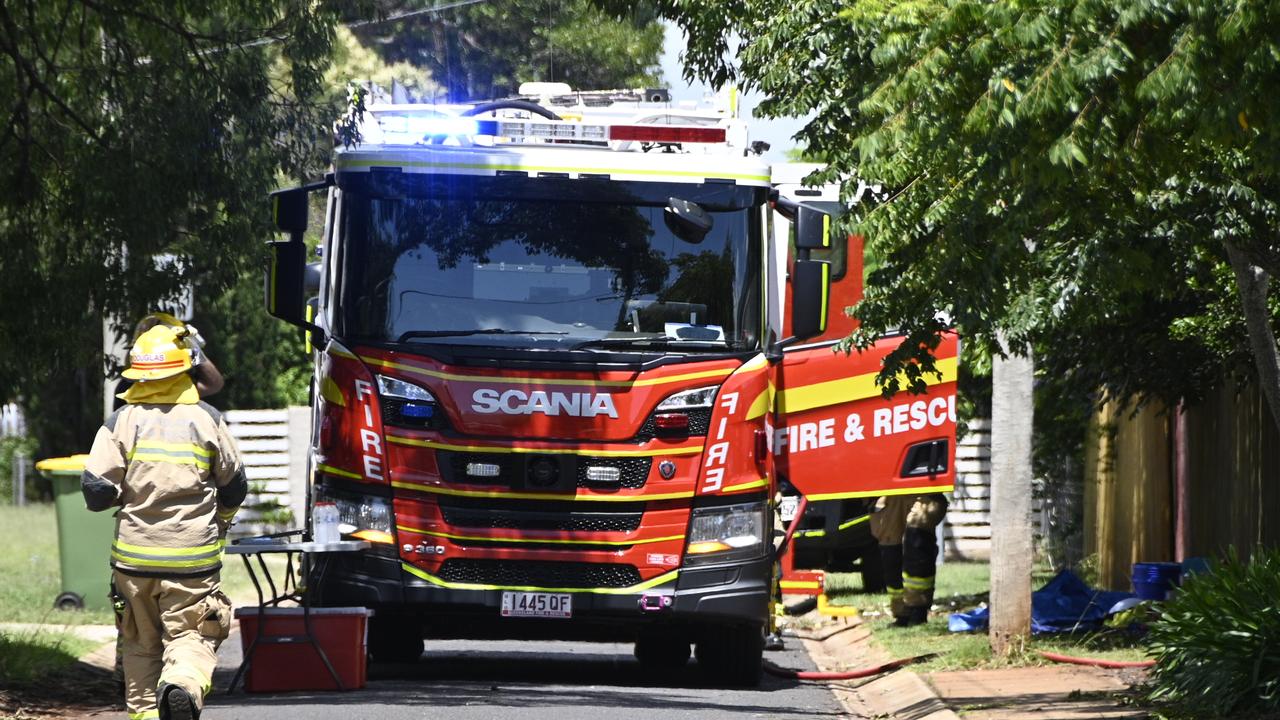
column 693, row 399
column 727, row 532
column 361, row 517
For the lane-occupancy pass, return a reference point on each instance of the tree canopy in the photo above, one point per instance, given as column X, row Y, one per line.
column 1083, row 173
column 138, row 139
column 485, row 50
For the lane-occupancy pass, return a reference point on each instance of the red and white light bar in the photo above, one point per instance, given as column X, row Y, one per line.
column 580, row 132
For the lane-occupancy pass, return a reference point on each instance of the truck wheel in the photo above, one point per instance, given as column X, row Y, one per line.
column 394, row 640
column 732, row 654
column 662, row 649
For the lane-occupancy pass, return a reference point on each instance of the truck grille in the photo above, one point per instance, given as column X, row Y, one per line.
column 515, row 471
column 622, row 517
column 529, row 520
column 541, row 574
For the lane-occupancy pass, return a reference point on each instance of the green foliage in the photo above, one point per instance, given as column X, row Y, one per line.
column 263, row 360
column 1065, row 172
column 486, row 50
column 137, row 147
column 1217, row 643
column 355, row 62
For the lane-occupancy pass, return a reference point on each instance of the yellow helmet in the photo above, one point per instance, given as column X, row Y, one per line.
column 158, row 354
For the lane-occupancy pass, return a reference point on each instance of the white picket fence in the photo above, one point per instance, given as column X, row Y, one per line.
column 274, row 445
column 967, row 530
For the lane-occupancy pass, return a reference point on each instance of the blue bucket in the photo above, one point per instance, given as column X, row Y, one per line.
column 1154, row 580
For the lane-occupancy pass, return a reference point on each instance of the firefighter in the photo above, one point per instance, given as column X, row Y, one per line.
column 168, row 462
column 905, row 526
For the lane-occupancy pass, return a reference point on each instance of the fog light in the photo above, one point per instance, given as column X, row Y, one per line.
column 483, row 470
column 604, row 474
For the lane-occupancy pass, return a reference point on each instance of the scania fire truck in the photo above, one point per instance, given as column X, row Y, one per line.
column 569, row 349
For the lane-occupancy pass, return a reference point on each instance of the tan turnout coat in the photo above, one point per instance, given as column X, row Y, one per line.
column 178, row 478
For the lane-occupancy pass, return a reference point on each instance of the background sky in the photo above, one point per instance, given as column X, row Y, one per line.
column 775, row 132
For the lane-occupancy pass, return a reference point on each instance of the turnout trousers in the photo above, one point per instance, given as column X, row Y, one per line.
column 905, row 525
column 170, row 632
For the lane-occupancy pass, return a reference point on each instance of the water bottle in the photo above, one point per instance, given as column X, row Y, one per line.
column 324, row 523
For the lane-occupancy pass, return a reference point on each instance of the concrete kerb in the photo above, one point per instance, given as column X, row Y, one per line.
column 901, row 694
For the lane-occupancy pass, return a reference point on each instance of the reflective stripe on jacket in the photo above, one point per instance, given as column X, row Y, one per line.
column 177, row 477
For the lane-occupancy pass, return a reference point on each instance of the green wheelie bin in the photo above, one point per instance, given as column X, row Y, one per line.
column 84, row 538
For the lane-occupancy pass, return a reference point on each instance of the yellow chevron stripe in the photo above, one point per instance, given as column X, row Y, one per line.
column 659, row 580
column 539, row 541
column 536, row 496
column 762, row 482
column 858, row 387
column 762, row 403
column 883, row 493
column 339, row 472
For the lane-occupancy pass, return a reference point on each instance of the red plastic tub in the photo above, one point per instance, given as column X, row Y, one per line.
column 284, row 661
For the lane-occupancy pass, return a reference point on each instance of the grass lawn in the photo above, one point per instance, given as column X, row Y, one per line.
column 26, row 656
column 30, row 578
column 963, row 585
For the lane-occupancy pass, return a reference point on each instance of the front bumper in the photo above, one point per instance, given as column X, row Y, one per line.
column 728, row 594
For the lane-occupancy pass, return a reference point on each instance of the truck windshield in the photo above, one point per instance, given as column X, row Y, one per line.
column 548, row 264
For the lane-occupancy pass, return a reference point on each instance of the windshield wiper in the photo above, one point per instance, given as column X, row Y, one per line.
column 656, row 343
column 485, row 331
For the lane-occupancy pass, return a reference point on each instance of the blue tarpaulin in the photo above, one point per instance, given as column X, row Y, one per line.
column 1064, row 604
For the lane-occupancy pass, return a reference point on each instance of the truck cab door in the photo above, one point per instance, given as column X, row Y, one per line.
column 833, row 435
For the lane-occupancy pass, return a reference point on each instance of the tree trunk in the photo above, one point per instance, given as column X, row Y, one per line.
column 1253, row 282
column 1012, row 409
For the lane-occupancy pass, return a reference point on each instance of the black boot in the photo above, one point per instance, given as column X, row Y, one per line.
column 175, row 703
column 915, row 615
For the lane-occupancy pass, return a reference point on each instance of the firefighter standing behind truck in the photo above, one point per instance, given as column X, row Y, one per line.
column 168, row 461
column 905, row 526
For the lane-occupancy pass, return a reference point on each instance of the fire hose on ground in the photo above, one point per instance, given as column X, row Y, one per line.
column 1096, row 662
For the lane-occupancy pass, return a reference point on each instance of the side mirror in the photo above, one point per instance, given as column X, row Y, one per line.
column 687, row 220
column 810, row 293
column 813, row 228
column 284, row 281
column 289, row 210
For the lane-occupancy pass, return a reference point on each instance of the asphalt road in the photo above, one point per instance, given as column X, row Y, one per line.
column 552, row 680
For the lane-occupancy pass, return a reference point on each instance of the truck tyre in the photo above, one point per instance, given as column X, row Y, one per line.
column 394, row 640
column 732, row 654
column 662, row 649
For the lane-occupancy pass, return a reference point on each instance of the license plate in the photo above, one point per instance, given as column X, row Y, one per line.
column 788, row 507
column 537, row 604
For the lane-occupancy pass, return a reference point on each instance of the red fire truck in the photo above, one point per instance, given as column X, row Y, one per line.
column 569, row 347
